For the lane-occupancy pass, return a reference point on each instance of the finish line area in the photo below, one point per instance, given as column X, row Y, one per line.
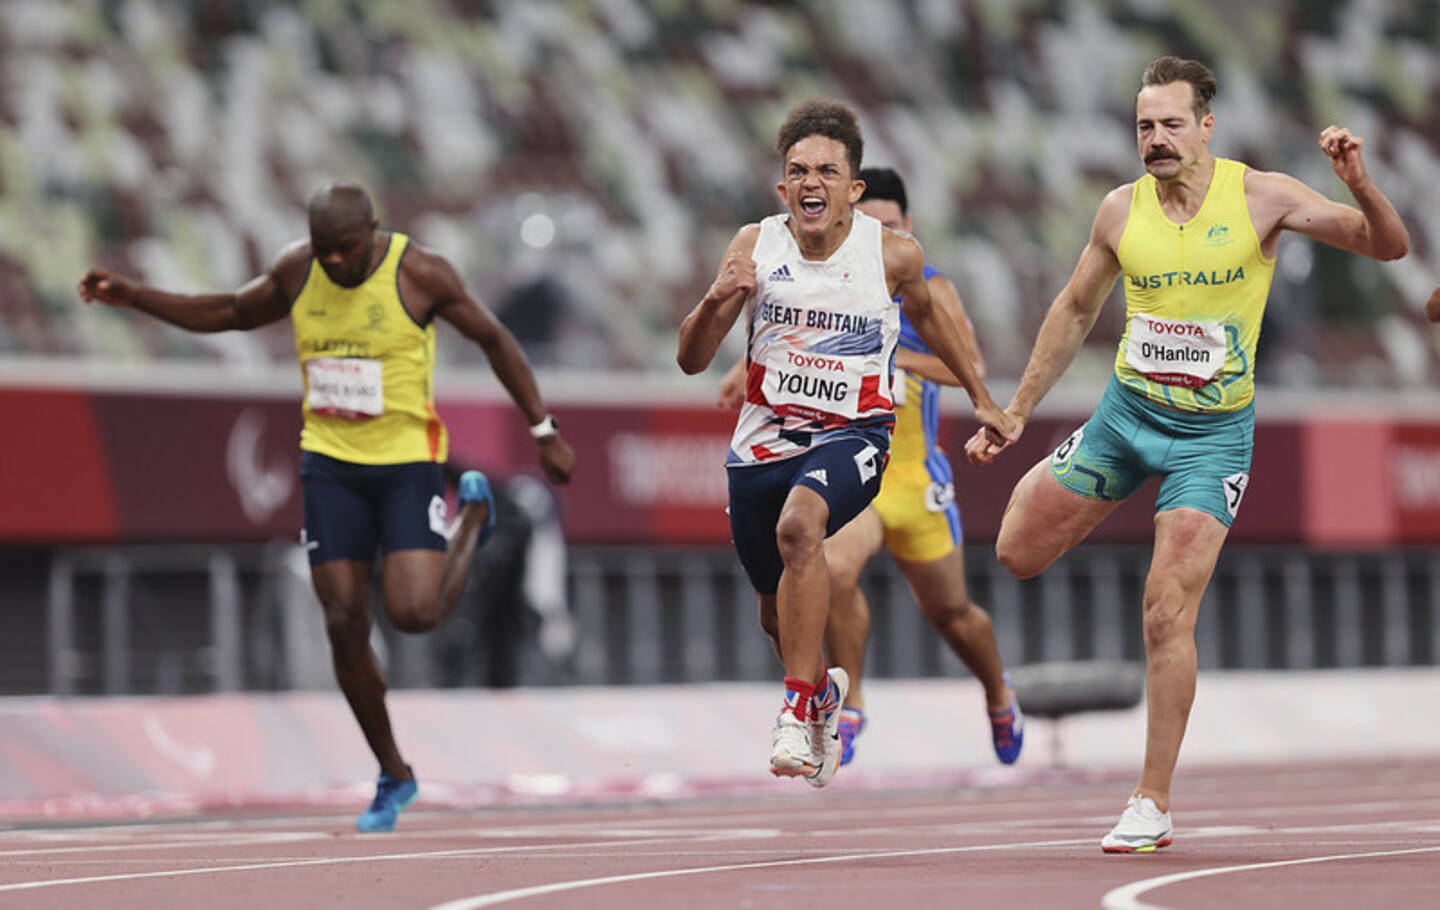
column 1295, row 789
column 1321, row 835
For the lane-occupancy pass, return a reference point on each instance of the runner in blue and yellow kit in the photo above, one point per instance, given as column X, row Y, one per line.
column 1195, row 240
column 363, row 304
column 915, row 515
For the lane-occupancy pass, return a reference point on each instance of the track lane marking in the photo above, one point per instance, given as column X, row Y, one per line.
column 478, row 901
column 1126, row 897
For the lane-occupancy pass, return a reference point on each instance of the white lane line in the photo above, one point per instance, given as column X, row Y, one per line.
column 499, row 897
column 1126, row 897
column 322, row 861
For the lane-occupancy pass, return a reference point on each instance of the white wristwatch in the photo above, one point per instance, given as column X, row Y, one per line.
column 546, row 427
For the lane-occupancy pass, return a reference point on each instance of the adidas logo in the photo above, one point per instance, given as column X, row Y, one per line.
column 819, row 475
column 782, row 274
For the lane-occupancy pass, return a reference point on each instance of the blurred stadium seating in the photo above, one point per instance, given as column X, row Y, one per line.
column 584, row 164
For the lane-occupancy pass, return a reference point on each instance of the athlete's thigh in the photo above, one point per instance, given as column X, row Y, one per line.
column 1187, row 545
column 1044, row 519
column 848, row 549
column 757, row 494
column 1210, row 471
column 343, row 586
column 413, row 526
column 938, row 584
column 342, row 516
column 412, row 507
column 918, row 509
column 845, row 474
column 412, row 580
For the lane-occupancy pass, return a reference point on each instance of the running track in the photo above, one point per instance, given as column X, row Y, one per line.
column 1315, row 837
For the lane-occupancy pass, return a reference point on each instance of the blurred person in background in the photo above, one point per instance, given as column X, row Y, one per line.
column 363, row 303
column 1432, row 306
column 915, row 515
column 1195, row 239
column 813, row 433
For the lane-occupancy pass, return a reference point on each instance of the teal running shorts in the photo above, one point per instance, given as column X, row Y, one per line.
column 1203, row 458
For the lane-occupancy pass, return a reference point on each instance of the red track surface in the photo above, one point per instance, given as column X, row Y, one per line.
column 1314, row 837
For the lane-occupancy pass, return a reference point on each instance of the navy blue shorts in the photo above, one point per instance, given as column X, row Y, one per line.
column 845, row 472
column 353, row 510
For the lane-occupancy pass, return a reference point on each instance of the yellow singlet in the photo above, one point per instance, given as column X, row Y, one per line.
column 368, row 369
column 1194, row 295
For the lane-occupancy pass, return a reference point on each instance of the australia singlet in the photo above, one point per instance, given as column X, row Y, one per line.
column 368, row 369
column 1194, row 295
column 821, row 345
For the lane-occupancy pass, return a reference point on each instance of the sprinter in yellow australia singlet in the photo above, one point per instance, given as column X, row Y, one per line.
column 1193, row 242
column 363, row 304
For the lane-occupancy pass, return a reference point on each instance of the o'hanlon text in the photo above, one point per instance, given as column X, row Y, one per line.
column 816, row 319
column 1173, row 355
column 1184, row 278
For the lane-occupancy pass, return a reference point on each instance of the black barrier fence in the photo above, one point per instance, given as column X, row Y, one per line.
column 202, row 619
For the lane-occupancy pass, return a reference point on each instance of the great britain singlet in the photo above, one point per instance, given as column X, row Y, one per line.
column 368, row 369
column 1194, row 295
column 822, row 340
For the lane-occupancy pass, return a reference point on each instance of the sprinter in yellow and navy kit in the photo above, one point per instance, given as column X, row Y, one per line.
column 363, row 304
column 1193, row 244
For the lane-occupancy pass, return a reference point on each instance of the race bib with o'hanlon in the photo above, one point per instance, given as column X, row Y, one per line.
column 1176, row 351
column 349, row 387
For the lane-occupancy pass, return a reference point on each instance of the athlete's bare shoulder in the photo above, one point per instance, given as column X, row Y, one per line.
column 1112, row 215
column 428, row 270
column 291, row 266
column 903, row 253
column 746, row 238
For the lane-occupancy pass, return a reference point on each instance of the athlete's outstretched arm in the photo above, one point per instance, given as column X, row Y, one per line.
column 260, row 301
column 1071, row 316
column 943, row 292
column 710, row 321
column 905, row 268
column 434, row 275
column 1373, row 229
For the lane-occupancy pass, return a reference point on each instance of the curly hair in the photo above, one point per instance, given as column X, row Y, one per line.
column 831, row 119
column 1170, row 69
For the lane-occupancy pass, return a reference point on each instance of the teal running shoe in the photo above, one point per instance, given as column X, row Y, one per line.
column 474, row 487
column 391, row 796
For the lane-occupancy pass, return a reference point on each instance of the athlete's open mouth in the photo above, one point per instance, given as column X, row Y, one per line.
column 812, row 205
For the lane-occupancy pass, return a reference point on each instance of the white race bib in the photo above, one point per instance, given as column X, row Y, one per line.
column 1176, row 351
column 349, row 387
column 818, row 383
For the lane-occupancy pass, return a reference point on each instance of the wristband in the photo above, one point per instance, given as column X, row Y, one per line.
column 546, row 427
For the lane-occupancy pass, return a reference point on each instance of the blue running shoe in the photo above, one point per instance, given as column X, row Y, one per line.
column 852, row 722
column 391, row 796
column 1007, row 729
column 474, row 487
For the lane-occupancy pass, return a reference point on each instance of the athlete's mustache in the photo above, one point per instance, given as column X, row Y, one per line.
column 1161, row 155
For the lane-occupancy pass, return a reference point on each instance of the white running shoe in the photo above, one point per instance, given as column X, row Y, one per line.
column 825, row 726
column 1142, row 828
column 790, row 754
